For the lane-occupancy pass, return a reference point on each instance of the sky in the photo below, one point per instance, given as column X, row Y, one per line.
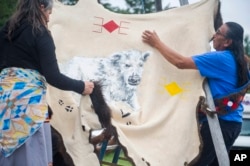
column 231, row 10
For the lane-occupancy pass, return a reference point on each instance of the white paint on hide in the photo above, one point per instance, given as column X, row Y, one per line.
column 119, row 74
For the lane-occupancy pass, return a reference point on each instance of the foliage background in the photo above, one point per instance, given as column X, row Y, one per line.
column 6, row 9
column 133, row 7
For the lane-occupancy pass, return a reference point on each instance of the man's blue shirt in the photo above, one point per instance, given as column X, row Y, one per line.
column 219, row 67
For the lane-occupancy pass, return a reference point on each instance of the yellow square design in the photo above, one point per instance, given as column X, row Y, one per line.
column 173, row 88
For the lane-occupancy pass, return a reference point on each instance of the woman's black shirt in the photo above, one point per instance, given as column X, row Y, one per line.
column 35, row 50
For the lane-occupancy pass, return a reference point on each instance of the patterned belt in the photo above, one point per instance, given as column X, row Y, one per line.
column 23, row 107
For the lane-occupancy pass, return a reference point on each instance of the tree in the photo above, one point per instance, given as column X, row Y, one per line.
column 6, row 9
column 133, row 7
column 183, row 2
column 247, row 45
column 158, row 5
column 68, row 2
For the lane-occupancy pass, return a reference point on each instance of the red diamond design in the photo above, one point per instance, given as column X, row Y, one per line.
column 110, row 26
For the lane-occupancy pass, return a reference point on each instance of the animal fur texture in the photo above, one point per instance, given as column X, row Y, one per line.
column 119, row 74
column 102, row 110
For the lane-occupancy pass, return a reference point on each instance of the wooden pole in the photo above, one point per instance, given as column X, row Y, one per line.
column 214, row 126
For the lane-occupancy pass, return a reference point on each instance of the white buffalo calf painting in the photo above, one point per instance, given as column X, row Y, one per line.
column 119, row 74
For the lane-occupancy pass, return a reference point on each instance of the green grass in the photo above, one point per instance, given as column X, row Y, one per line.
column 109, row 157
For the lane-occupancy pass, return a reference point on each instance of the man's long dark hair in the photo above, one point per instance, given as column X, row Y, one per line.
column 236, row 33
column 29, row 10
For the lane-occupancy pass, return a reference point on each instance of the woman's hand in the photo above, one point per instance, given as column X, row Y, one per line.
column 89, row 86
column 150, row 38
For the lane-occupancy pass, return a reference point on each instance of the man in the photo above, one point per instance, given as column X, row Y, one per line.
column 226, row 71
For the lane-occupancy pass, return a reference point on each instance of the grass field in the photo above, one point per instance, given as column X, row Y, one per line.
column 121, row 162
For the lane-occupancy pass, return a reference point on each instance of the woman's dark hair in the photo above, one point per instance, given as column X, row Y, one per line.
column 236, row 33
column 29, row 10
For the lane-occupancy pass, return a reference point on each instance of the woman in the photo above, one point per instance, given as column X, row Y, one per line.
column 27, row 63
column 225, row 69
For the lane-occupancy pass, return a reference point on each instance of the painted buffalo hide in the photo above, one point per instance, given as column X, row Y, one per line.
column 153, row 103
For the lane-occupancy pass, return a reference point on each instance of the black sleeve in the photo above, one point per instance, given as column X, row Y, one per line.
column 49, row 66
column 2, row 48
